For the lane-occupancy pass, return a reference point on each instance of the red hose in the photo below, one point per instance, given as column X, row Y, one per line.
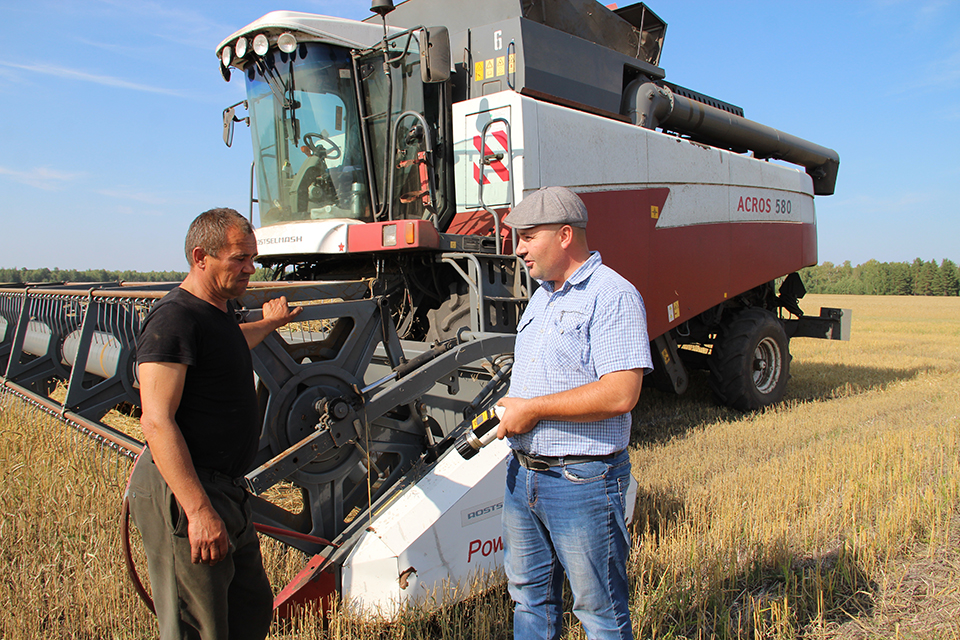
column 125, row 541
column 128, row 555
column 296, row 535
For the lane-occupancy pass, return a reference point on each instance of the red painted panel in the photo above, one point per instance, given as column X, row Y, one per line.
column 474, row 223
column 311, row 588
column 621, row 226
column 369, row 237
column 693, row 268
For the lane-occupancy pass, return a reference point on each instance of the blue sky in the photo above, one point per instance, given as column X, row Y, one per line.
column 110, row 117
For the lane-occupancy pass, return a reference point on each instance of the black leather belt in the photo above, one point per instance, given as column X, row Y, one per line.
column 542, row 463
column 209, row 475
column 216, row 477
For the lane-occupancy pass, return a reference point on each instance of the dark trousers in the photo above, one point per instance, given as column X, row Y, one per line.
column 231, row 600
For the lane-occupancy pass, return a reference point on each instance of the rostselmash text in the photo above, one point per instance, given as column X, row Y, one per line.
column 283, row 240
column 482, row 511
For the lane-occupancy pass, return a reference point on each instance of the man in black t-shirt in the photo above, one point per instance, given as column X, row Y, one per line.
column 200, row 421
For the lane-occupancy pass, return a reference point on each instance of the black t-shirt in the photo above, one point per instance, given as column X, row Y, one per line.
column 218, row 413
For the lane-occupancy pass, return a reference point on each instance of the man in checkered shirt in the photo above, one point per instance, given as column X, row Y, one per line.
column 581, row 353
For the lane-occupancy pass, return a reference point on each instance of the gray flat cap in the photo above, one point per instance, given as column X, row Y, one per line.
column 548, row 205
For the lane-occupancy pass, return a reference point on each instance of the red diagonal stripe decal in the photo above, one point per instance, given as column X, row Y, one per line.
column 476, row 174
column 499, row 168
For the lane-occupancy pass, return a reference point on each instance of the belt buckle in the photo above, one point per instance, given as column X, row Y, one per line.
column 535, row 464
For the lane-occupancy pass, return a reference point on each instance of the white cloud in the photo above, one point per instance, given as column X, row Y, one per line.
column 944, row 72
column 183, row 26
column 83, row 76
column 131, row 194
column 42, row 177
column 124, row 210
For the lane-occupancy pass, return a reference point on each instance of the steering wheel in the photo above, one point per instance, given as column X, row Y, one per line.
column 317, row 150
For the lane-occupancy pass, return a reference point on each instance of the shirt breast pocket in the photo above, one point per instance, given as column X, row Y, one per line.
column 569, row 351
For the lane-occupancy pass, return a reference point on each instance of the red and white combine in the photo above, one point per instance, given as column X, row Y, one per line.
column 386, row 154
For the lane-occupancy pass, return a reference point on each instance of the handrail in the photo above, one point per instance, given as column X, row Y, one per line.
column 498, row 243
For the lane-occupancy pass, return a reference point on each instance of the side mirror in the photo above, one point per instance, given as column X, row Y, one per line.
column 228, row 119
column 434, row 54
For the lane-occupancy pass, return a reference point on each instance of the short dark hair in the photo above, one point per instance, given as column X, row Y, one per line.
column 209, row 231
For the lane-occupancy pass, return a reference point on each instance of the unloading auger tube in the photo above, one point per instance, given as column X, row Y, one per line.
column 658, row 104
column 353, row 418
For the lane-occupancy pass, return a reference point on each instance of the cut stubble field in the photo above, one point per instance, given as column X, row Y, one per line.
column 834, row 515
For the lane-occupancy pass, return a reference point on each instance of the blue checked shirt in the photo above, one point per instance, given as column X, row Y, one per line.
column 594, row 325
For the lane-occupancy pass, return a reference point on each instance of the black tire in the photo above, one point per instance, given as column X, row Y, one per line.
column 750, row 364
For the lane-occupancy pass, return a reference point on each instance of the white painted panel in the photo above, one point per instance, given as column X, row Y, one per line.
column 305, row 237
column 428, row 528
column 690, row 204
column 469, row 118
column 673, row 160
column 745, row 171
column 583, row 150
column 370, row 578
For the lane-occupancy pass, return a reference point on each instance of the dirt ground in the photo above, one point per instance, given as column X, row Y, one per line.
column 920, row 597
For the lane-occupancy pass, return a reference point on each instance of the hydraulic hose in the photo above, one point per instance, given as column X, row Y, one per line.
column 128, row 553
column 128, row 556
column 125, row 542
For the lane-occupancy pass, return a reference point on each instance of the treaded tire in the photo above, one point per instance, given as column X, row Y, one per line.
column 750, row 364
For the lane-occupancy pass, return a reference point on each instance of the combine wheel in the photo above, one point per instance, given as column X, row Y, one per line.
column 453, row 314
column 750, row 364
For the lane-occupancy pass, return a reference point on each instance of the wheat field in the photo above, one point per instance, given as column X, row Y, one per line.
column 833, row 515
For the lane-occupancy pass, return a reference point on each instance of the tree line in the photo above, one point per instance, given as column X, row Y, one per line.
column 918, row 278
column 24, row 275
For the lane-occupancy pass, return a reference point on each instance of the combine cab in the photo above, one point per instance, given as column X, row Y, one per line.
column 386, row 154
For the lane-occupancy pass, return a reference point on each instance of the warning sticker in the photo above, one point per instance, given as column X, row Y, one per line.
column 478, row 71
column 512, row 62
column 489, row 68
column 654, row 211
column 673, row 311
column 501, row 66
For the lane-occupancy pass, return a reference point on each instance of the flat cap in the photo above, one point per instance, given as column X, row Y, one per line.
column 548, row 205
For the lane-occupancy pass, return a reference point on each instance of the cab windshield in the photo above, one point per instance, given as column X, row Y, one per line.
column 306, row 137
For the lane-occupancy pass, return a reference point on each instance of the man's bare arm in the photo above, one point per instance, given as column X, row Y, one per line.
column 276, row 313
column 161, row 387
column 613, row 394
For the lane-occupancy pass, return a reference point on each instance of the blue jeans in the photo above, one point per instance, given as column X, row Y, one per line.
column 568, row 519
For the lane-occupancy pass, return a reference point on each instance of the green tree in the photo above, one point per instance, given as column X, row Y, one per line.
column 926, row 279
column 948, row 278
column 900, row 281
column 874, row 277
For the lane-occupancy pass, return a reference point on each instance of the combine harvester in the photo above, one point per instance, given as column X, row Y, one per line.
column 386, row 154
